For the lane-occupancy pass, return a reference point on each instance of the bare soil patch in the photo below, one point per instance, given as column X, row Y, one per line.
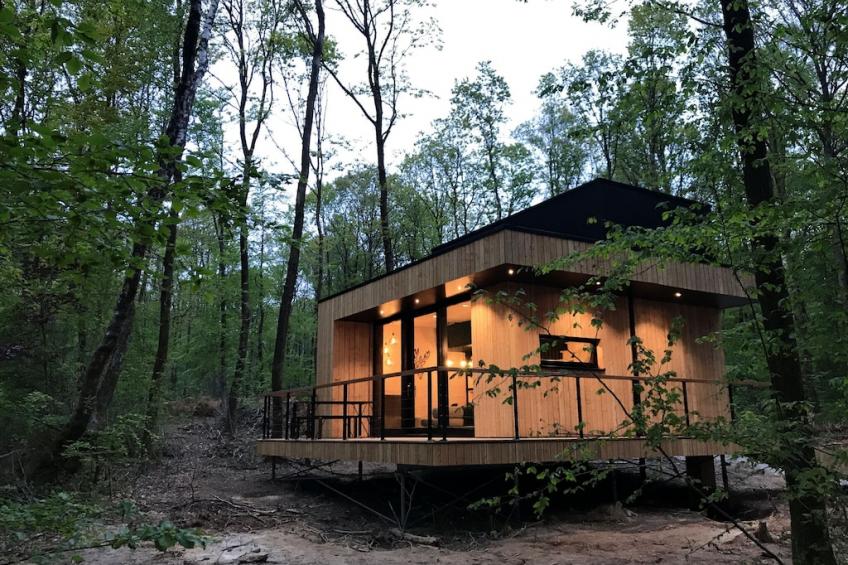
column 208, row 481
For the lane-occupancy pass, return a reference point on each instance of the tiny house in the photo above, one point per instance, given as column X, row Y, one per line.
column 400, row 366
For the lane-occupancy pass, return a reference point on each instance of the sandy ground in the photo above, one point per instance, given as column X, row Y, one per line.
column 217, row 485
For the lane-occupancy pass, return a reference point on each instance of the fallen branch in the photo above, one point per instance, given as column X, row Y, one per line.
column 406, row 536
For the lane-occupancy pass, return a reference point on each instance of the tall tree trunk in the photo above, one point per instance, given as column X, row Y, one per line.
column 104, row 367
column 292, row 266
column 808, row 512
column 220, row 384
column 319, row 284
column 382, row 180
column 244, row 307
column 260, row 288
column 491, row 167
column 166, row 294
column 380, row 141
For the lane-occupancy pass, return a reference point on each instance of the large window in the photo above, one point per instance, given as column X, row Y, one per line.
column 566, row 352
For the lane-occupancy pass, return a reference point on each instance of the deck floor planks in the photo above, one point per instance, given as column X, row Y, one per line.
column 477, row 451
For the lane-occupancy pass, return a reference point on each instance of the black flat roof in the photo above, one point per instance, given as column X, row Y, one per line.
column 568, row 215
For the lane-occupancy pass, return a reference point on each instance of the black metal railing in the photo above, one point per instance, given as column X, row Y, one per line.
column 304, row 412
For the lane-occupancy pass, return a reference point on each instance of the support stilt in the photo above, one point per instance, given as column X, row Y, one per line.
column 614, row 482
column 517, row 507
column 403, row 501
column 701, row 469
column 724, row 480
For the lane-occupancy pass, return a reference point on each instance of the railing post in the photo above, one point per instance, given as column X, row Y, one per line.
column 444, row 411
column 429, row 405
column 515, row 405
column 344, row 411
column 730, row 401
column 287, row 423
column 313, row 419
column 295, row 428
column 383, row 408
column 265, row 417
column 579, row 407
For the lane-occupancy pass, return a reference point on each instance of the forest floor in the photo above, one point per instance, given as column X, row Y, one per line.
column 207, row 481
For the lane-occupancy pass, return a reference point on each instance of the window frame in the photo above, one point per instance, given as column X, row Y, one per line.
column 566, row 340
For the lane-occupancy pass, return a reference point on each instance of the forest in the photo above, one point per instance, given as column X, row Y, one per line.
column 162, row 240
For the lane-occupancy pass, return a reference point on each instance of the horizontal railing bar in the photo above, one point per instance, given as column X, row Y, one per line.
column 507, row 373
column 340, row 402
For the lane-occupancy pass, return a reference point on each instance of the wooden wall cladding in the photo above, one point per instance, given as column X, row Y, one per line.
column 352, row 359
column 503, row 337
column 691, row 357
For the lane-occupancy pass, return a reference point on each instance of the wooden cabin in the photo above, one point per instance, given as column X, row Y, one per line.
column 399, row 377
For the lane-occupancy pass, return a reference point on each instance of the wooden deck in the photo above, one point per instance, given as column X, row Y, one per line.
column 479, row 451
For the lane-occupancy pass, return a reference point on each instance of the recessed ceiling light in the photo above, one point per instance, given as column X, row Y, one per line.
column 381, row 312
column 511, row 272
column 597, row 283
column 417, row 301
column 678, row 294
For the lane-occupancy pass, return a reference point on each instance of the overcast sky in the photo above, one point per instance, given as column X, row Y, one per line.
column 523, row 41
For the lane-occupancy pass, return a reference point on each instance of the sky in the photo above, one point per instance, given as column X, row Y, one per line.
column 523, row 41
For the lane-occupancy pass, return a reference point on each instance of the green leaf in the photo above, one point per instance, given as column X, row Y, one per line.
column 73, row 65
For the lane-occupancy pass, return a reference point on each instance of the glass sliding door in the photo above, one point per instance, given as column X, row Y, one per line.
column 440, row 337
column 425, row 353
column 391, row 361
column 457, row 388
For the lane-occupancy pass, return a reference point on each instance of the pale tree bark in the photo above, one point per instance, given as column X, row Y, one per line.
column 808, row 511
column 104, row 367
column 316, row 37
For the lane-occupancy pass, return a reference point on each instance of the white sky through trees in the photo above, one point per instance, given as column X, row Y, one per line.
column 523, row 41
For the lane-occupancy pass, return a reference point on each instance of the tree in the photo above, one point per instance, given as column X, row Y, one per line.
column 654, row 150
column 594, row 90
column 251, row 45
column 104, row 366
column 390, row 32
column 479, row 104
column 551, row 136
column 808, row 508
column 316, row 39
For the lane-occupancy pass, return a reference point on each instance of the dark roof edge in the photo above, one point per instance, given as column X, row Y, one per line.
column 504, row 223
